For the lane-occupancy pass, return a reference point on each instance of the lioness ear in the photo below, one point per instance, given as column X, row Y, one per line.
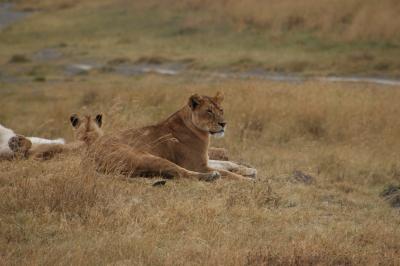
column 194, row 101
column 219, row 97
column 74, row 120
column 99, row 119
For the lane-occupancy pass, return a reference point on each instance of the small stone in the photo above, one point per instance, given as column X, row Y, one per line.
column 301, row 177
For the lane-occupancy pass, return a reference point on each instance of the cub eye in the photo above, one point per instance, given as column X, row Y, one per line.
column 209, row 111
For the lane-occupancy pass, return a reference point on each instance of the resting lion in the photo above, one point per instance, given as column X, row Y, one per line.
column 13, row 145
column 175, row 147
column 86, row 131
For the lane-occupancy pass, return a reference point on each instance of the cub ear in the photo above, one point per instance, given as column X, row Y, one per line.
column 99, row 119
column 219, row 97
column 74, row 120
column 194, row 101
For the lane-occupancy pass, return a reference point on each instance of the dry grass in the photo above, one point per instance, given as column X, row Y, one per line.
column 327, row 154
column 344, row 136
column 343, row 19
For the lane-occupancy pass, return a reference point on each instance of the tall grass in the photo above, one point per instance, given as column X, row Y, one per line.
column 344, row 136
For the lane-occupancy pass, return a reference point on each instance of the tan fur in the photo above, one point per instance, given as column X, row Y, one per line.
column 175, row 147
column 86, row 131
column 218, row 154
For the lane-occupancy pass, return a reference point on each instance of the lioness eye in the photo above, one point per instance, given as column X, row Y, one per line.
column 209, row 111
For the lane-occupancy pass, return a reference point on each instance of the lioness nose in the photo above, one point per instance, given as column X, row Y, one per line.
column 222, row 124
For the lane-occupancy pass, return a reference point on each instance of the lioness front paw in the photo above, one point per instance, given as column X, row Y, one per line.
column 209, row 177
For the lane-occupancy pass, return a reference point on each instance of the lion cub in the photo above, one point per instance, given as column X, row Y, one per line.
column 86, row 131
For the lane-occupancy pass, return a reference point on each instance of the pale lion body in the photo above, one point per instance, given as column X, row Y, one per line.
column 12, row 144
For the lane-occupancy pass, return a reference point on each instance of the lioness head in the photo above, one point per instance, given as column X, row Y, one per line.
column 207, row 113
column 86, row 128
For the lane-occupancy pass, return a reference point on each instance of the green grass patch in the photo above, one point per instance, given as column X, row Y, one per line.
column 135, row 30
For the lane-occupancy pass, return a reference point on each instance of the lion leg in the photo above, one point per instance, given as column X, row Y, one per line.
column 233, row 167
column 221, row 168
column 153, row 165
column 134, row 163
column 46, row 151
column 218, row 154
column 229, row 175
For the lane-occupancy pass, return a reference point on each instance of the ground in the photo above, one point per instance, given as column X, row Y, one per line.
column 327, row 156
column 212, row 37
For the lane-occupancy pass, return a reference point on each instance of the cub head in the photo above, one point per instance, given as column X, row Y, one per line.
column 207, row 113
column 87, row 128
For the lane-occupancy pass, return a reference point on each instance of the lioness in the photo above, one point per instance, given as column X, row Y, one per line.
column 175, row 147
column 86, row 131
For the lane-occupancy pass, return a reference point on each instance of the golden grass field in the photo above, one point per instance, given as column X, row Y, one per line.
column 345, row 136
column 325, row 152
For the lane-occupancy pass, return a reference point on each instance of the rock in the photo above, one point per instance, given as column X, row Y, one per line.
column 301, row 177
column 19, row 58
column 391, row 194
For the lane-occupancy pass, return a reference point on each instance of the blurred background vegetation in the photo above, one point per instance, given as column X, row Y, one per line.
column 342, row 37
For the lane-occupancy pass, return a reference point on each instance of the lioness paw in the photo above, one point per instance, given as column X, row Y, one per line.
column 209, row 177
